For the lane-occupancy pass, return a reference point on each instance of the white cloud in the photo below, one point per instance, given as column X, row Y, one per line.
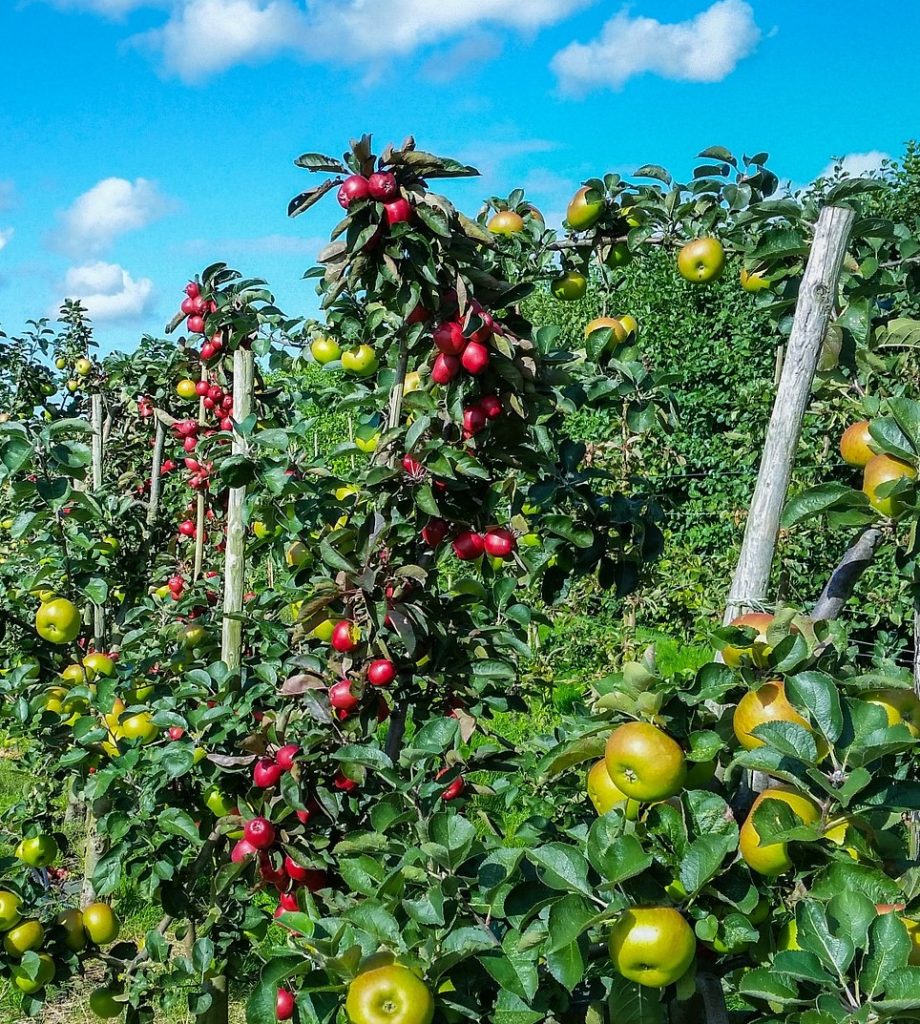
column 204, row 37
column 108, row 291
column 352, row 31
column 857, row 165
column 109, row 209
column 5, row 235
column 705, row 48
column 360, row 28
column 476, row 49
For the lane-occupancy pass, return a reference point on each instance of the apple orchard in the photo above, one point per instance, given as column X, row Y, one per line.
column 271, row 590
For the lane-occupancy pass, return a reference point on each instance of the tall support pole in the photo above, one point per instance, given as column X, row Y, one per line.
column 812, row 315
column 235, row 564
column 156, row 474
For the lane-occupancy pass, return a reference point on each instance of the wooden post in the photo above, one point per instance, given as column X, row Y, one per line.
column 235, row 561
column 816, row 301
column 98, row 612
column 156, row 476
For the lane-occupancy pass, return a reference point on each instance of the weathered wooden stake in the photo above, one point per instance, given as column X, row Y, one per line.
column 815, row 304
column 235, row 562
column 156, row 475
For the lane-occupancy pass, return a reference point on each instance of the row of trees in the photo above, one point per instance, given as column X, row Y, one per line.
column 316, row 649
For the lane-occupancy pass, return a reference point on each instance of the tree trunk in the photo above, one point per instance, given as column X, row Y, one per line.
column 812, row 314
column 219, row 1010
column 839, row 589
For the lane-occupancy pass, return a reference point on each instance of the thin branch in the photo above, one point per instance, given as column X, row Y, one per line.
column 839, row 589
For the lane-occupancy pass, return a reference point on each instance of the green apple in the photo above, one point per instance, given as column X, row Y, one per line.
column 360, row 360
column 37, row 851
column 701, row 260
column 325, row 350
column 570, row 287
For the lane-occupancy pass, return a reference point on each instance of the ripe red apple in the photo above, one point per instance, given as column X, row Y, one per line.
column 266, row 773
column 196, row 324
column 168, row 466
column 287, row 901
column 345, row 636
column 272, row 875
column 242, row 850
column 448, row 338
column 412, row 466
column 434, row 532
column 315, row 880
column 352, row 189
column 474, row 420
column 500, row 543
column 187, row 528
column 444, row 369
column 398, row 212
column 297, row 871
column 192, row 290
column 491, row 405
column 286, row 756
column 468, row 546
column 207, row 351
column 341, row 697
column 418, row 315
column 304, row 816
column 284, row 1004
column 454, row 789
column 381, row 672
column 201, row 388
column 259, row 832
column 475, row 358
column 175, row 732
column 383, row 186
column 190, row 443
column 342, row 782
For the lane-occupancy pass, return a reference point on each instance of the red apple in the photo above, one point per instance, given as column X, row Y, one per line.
column 491, row 405
column 207, row 351
column 196, row 324
column 381, row 672
column 448, row 338
column 398, row 212
column 201, row 388
column 341, row 697
column 474, row 420
column 454, row 789
column 266, row 773
column 342, row 782
column 500, row 543
column 286, row 755
column 192, row 290
column 444, row 369
column 345, row 636
column 259, row 832
column 272, row 875
column 418, row 315
column 284, row 1004
column 352, row 189
column 242, row 850
column 175, row 732
column 468, row 546
column 297, row 871
column 412, row 466
column 287, row 901
column 434, row 532
column 187, row 528
column 383, row 186
column 475, row 358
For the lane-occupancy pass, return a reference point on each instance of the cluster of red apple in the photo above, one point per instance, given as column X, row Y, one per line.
column 217, row 402
column 382, row 187
column 458, row 351
column 196, row 307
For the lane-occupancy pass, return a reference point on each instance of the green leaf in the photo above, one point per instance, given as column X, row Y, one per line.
column 564, row 527
column 889, row 948
column 319, row 162
column 902, row 990
column 512, row 968
column 177, row 823
column 702, row 860
column 802, row 965
column 817, row 693
column 567, row 964
column 630, row 1003
column 815, row 936
column 615, row 857
column 568, row 918
column 764, row 983
column 906, row 413
column 815, row 500
column 562, row 867
column 887, row 434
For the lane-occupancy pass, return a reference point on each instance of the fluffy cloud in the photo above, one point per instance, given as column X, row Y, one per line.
column 857, row 165
column 705, row 48
column 5, row 236
column 108, row 291
column 108, row 210
column 236, row 32
column 252, row 31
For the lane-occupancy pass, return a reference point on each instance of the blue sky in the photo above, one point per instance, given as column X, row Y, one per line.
column 142, row 139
